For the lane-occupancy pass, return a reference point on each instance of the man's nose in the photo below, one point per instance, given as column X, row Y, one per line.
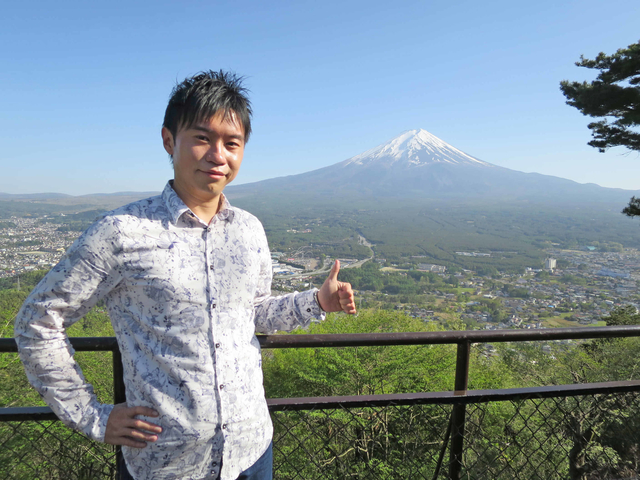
column 216, row 154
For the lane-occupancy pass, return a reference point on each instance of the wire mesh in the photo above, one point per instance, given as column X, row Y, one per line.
column 47, row 450
column 391, row 442
column 586, row 437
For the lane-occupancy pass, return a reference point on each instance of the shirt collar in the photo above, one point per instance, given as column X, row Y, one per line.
column 226, row 211
column 177, row 207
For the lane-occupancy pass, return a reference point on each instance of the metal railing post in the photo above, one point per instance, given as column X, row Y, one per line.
column 119, row 396
column 459, row 410
column 457, row 421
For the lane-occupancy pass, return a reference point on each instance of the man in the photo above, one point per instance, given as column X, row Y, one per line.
column 186, row 279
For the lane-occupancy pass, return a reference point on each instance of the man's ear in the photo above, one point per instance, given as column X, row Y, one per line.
column 167, row 140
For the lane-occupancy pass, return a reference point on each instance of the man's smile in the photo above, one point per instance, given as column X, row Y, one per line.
column 214, row 173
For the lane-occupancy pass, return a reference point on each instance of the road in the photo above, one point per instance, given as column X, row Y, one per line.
column 324, row 269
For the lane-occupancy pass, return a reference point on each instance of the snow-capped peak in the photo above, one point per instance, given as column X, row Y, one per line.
column 415, row 148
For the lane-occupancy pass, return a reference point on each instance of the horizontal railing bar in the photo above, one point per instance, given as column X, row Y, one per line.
column 80, row 344
column 449, row 337
column 450, row 398
column 21, row 414
column 357, row 401
column 379, row 339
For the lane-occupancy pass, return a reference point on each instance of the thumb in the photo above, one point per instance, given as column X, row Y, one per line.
column 333, row 274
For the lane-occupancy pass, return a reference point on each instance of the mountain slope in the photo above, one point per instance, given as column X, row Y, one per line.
column 414, row 148
column 417, row 164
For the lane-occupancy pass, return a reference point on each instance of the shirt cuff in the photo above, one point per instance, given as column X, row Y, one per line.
column 95, row 425
column 308, row 305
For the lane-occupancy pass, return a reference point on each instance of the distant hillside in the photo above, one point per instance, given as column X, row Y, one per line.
column 32, row 196
column 418, row 165
column 50, row 203
column 415, row 195
column 418, row 196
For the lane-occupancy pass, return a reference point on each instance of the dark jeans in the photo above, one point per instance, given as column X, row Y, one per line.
column 261, row 470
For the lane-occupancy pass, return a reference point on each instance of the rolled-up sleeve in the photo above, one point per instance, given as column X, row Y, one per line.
column 87, row 273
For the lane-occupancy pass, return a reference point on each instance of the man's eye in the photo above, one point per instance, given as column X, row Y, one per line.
column 202, row 137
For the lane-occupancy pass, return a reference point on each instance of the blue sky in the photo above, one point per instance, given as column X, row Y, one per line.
column 84, row 85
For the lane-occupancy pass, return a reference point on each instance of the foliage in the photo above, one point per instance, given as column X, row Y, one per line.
column 56, row 453
column 514, row 234
column 543, row 275
column 75, row 222
column 517, row 292
column 27, row 280
column 589, row 429
column 380, row 442
column 615, row 93
column 10, row 209
column 58, row 450
column 371, row 278
column 360, row 370
column 493, row 307
column 633, row 209
column 573, row 279
column 554, row 438
column 14, row 387
column 502, row 437
column 487, row 271
column 609, row 350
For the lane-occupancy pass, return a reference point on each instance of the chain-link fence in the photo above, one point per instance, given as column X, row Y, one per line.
column 393, row 442
column 586, row 437
column 585, row 431
column 47, row 450
column 590, row 437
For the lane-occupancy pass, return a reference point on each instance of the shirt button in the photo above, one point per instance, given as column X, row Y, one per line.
column 213, row 305
column 224, row 426
column 308, row 309
column 214, row 464
column 210, row 267
column 222, row 387
column 217, row 345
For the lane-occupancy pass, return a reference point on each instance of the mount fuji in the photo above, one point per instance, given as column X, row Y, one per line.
column 413, row 148
column 417, row 164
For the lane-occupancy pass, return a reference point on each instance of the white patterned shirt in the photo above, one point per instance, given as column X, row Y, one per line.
column 185, row 300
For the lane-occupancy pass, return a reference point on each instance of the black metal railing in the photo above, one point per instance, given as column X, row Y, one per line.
column 310, row 432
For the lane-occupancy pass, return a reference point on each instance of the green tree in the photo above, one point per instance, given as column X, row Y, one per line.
column 613, row 96
column 543, row 275
column 360, row 370
column 58, row 451
column 354, row 443
column 627, row 315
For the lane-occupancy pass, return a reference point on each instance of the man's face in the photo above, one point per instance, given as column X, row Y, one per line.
column 206, row 157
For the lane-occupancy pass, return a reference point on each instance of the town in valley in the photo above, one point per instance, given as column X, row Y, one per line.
column 574, row 287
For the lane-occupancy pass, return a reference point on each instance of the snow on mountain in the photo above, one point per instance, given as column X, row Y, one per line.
column 414, row 148
column 417, row 164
